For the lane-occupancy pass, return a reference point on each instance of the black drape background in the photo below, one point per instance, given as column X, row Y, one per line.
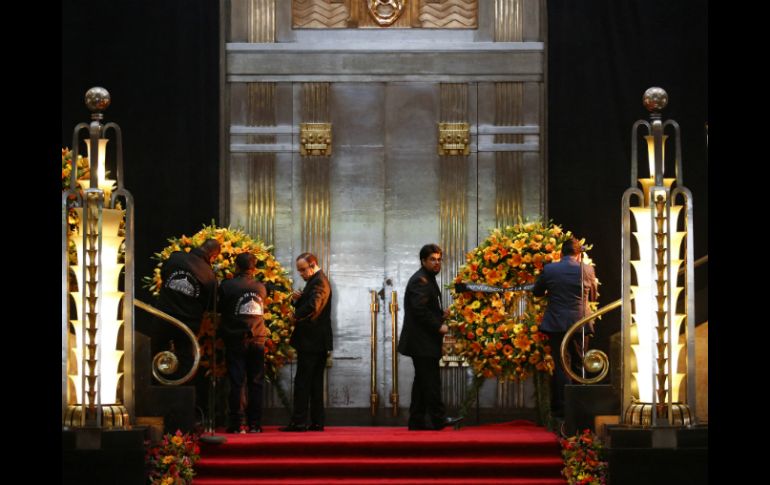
column 159, row 61
column 602, row 56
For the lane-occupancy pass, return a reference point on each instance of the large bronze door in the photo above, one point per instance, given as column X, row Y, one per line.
column 333, row 143
column 387, row 203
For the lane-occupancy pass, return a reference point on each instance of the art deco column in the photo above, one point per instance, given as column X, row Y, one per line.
column 657, row 303
column 316, row 149
column 509, row 27
column 97, row 283
column 454, row 149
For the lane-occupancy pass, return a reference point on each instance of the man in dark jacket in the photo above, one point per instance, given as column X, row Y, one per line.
column 569, row 285
column 312, row 339
column 243, row 331
column 421, row 339
column 188, row 290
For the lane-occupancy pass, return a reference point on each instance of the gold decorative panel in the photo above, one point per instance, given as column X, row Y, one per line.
column 508, row 165
column 319, row 14
column 401, row 14
column 449, row 14
column 454, row 139
column 315, row 139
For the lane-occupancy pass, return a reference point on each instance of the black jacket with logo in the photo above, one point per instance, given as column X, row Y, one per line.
column 241, row 303
column 188, row 286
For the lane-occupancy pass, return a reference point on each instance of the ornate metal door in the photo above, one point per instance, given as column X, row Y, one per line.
column 363, row 145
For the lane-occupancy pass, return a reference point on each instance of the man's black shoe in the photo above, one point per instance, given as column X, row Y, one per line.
column 449, row 421
column 255, row 429
column 235, row 430
column 292, row 427
column 315, row 427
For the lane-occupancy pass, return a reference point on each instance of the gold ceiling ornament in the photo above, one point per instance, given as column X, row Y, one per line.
column 454, row 139
column 315, row 139
column 385, row 12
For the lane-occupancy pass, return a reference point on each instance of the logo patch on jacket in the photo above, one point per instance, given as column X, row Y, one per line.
column 249, row 304
column 184, row 283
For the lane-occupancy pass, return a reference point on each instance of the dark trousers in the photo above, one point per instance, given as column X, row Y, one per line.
column 426, row 394
column 560, row 378
column 245, row 365
column 309, row 388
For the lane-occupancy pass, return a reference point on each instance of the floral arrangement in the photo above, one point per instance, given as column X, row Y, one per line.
column 494, row 336
column 83, row 167
column 278, row 308
column 584, row 459
column 172, row 462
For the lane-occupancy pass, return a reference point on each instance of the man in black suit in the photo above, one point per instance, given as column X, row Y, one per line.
column 312, row 338
column 569, row 285
column 421, row 339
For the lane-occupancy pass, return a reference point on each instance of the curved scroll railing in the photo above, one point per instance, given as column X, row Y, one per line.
column 595, row 360
column 166, row 362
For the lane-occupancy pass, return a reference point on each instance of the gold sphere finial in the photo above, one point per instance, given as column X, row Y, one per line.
column 593, row 361
column 655, row 99
column 97, row 99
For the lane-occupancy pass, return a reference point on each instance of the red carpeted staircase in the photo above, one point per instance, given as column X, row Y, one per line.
column 510, row 453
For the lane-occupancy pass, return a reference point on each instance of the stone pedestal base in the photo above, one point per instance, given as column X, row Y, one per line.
column 584, row 402
column 661, row 456
column 96, row 456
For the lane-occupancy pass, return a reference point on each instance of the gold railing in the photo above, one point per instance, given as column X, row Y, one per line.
column 595, row 360
column 166, row 362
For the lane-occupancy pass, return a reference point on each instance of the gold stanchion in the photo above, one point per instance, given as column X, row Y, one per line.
column 375, row 309
column 394, row 350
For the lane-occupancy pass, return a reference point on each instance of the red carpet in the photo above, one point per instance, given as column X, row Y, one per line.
column 510, row 453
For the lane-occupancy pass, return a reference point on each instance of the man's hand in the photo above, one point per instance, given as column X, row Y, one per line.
column 446, row 313
column 295, row 295
column 443, row 329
